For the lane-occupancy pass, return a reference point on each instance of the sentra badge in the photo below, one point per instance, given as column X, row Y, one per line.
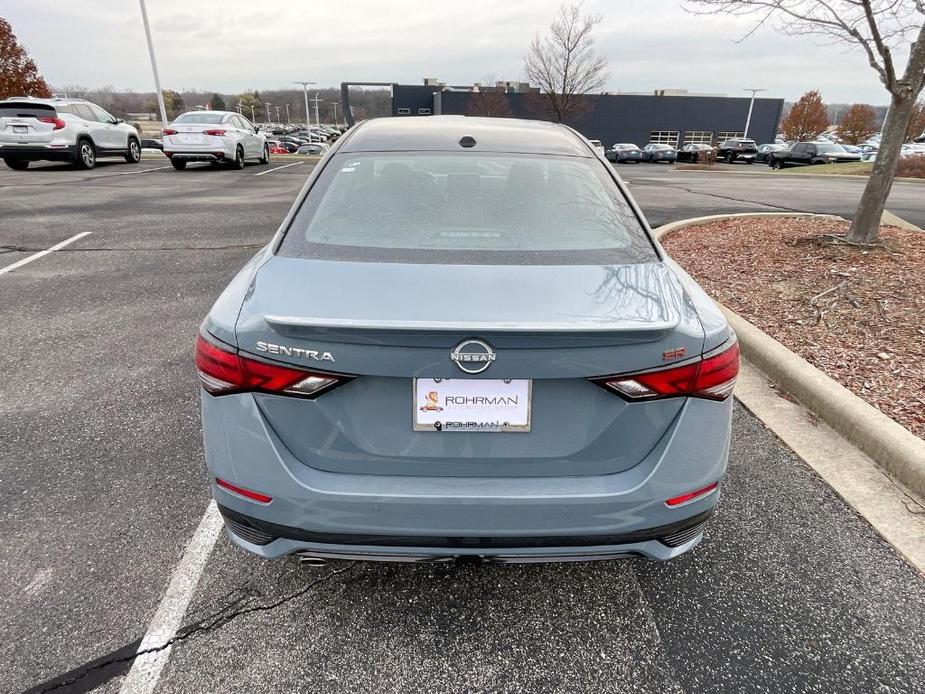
column 312, row 354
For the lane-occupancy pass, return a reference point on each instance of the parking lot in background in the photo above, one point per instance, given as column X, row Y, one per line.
column 104, row 485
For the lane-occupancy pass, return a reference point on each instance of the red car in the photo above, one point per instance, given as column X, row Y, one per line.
column 277, row 148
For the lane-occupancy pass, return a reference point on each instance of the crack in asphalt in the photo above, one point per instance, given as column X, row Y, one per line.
column 127, row 654
column 733, row 199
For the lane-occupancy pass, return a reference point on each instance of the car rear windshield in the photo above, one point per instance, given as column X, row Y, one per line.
column 467, row 208
column 200, row 118
column 830, row 149
column 26, row 110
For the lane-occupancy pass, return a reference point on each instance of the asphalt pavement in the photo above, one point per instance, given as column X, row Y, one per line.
column 667, row 195
column 101, row 466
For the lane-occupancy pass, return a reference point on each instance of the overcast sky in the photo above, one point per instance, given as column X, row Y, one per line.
column 233, row 45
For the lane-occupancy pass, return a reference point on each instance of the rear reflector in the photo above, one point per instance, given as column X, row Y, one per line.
column 246, row 493
column 223, row 370
column 57, row 122
column 690, row 496
column 712, row 377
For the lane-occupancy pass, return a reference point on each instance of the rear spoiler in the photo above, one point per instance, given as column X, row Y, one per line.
column 577, row 325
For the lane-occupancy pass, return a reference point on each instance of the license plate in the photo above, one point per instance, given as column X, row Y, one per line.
column 471, row 405
column 191, row 139
column 20, row 129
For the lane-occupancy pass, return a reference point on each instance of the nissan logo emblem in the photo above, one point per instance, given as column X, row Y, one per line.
column 473, row 356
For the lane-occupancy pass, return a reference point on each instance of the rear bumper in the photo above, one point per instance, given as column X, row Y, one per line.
column 271, row 540
column 396, row 517
column 217, row 149
column 197, row 156
column 33, row 152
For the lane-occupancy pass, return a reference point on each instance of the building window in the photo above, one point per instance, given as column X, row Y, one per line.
column 723, row 136
column 404, row 111
column 664, row 137
column 423, row 111
column 698, row 137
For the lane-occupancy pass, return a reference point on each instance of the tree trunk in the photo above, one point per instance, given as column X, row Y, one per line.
column 865, row 228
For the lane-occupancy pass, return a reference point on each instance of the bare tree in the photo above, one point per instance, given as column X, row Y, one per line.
column 877, row 27
column 564, row 65
column 489, row 101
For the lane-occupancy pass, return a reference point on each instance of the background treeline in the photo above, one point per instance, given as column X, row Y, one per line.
column 366, row 103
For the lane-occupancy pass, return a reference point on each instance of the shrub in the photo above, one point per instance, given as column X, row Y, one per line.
column 912, row 167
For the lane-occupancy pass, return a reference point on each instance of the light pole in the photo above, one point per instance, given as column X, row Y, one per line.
column 317, row 101
column 157, row 79
column 240, row 107
column 287, row 114
column 268, row 104
column 335, row 104
column 308, row 117
column 277, row 113
column 751, row 105
column 253, row 117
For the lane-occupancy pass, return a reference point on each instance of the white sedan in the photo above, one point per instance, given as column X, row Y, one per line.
column 216, row 137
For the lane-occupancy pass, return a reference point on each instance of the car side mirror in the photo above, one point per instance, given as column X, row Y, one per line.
column 256, row 129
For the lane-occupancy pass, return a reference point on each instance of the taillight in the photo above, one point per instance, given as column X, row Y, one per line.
column 214, row 133
column 169, row 131
column 712, row 377
column 57, row 122
column 223, row 370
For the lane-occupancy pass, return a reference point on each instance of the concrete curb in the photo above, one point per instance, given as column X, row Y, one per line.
column 893, row 447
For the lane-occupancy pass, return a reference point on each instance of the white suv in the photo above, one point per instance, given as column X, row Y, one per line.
column 62, row 130
column 215, row 137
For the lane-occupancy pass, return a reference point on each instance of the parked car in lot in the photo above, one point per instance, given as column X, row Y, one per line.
column 694, row 152
column 599, row 146
column 654, row 152
column 217, row 137
column 289, row 146
column 314, row 148
column 72, row 130
column 624, row 153
column 765, row 151
column 354, row 407
column 276, row 147
column 912, row 150
column 869, row 152
column 811, row 153
column 737, row 149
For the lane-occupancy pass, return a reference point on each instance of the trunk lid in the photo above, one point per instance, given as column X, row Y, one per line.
column 389, row 323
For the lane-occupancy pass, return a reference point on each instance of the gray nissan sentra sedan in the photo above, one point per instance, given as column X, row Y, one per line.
column 464, row 343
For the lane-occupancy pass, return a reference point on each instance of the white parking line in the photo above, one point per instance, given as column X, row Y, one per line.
column 284, row 166
column 142, row 678
column 129, row 173
column 36, row 256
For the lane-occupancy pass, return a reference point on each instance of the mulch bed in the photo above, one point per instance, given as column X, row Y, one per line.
column 856, row 314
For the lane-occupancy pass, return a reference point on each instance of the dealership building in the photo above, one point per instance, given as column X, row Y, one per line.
column 675, row 117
